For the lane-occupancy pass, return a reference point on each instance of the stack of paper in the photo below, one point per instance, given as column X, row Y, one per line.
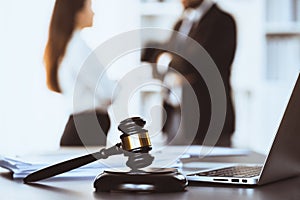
column 21, row 167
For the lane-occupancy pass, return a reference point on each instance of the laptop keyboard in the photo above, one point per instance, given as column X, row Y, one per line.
column 236, row 171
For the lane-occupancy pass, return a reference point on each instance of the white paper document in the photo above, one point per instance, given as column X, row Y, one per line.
column 200, row 151
column 21, row 166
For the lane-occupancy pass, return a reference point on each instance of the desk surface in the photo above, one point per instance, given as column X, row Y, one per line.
column 83, row 189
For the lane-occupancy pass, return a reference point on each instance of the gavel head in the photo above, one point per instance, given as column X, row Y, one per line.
column 136, row 143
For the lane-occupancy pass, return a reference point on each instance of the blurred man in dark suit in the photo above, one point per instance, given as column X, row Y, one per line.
column 215, row 31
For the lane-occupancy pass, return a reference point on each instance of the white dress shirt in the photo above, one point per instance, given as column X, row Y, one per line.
column 82, row 79
column 192, row 16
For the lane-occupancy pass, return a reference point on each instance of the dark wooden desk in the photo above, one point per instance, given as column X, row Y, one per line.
column 83, row 189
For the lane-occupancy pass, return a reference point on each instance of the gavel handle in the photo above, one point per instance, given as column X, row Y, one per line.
column 74, row 163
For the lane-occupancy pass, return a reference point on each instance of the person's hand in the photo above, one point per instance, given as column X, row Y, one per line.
column 173, row 80
column 163, row 62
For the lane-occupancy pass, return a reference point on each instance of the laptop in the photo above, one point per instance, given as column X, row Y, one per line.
column 282, row 161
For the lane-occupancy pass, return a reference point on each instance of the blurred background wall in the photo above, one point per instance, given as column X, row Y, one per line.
column 265, row 67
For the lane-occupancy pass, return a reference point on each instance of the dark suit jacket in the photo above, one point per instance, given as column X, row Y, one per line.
column 216, row 32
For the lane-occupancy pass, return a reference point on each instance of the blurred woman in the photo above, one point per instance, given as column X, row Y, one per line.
column 71, row 71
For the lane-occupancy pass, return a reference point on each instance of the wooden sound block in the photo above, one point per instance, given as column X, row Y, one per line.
column 149, row 180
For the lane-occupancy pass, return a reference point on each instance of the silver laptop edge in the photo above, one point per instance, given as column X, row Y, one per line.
column 224, row 179
column 283, row 160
